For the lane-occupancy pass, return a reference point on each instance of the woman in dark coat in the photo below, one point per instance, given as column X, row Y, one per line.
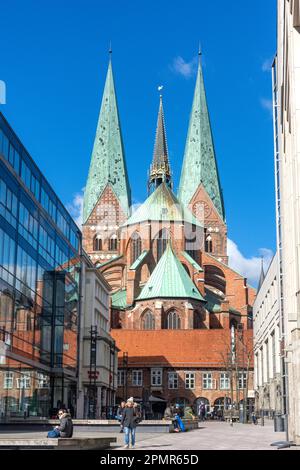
column 129, row 421
column 65, row 428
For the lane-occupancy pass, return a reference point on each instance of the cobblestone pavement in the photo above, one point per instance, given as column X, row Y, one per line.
column 211, row 435
column 215, row 436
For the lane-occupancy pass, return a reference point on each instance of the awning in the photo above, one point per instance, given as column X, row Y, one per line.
column 153, row 399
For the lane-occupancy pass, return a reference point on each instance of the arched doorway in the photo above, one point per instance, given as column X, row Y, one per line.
column 221, row 403
column 198, row 402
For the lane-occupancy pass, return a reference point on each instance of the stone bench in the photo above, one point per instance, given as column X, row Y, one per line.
column 73, row 443
column 98, row 426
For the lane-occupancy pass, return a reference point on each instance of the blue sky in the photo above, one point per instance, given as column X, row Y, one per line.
column 54, row 58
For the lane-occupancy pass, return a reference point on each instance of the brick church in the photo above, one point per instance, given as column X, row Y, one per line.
column 178, row 311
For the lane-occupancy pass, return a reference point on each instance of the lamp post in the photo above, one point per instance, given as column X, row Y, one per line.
column 125, row 368
column 93, row 373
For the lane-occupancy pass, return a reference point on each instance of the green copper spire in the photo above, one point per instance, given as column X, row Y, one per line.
column 160, row 169
column 170, row 279
column 200, row 165
column 108, row 164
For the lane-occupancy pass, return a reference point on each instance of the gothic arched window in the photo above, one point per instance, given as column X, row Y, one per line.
column 97, row 245
column 161, row 243
column 148, row 321
column 173, row 320
column 208, row 244
column 113, row 243
column 136, row 246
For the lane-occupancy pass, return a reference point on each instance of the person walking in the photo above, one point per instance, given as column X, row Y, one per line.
column 120, row 412
column 201, row 412
column 130, row 419
column 254, row 417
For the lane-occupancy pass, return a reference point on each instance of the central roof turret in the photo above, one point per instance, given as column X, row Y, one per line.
column 160, row 168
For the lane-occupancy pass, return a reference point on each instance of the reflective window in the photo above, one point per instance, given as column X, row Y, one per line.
column 4, row 144
column 48, row 204
column 14, row 158
column 47, row 246
column 26, row 272
column 28, row 225
column 30, row 180
column 39, row 288
column 62, row 223
column 8, row 204
column 74, row 239
column 7, row 257
column 8, row 380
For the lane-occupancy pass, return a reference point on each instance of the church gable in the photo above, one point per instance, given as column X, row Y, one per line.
column 103, row 224
column 215, row 236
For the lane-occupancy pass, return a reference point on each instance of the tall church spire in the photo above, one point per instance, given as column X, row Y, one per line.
column 160, row 168
column 200, row 165
column 108, row 166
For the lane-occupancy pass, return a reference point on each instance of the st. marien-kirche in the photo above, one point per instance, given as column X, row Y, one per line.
column 175, row 300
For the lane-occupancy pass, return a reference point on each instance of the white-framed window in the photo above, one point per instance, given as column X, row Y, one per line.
column 121, row 377
column 43, row 381
column 156, row 377
column 207, row 381
column 242, row 379
column 224, row 381
column 23, row 381
column 8, row 380
column 190, row 380
column 137, row 378
column 172, row 380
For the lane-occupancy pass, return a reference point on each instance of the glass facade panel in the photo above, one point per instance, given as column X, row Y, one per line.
column 39, row 289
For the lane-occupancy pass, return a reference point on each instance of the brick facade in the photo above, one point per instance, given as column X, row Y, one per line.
column 203, row 327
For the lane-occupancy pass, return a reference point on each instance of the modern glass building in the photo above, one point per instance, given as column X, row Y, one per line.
column 40, row 248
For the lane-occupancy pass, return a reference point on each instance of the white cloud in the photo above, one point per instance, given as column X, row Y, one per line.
column 267, row 104
column 186, row 69
column 267, row 65
column 76, row 207
column 248, row 267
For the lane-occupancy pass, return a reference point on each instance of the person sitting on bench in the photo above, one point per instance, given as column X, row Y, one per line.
column 65, row 428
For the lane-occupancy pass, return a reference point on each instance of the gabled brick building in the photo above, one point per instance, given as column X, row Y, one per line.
column 179, row 311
